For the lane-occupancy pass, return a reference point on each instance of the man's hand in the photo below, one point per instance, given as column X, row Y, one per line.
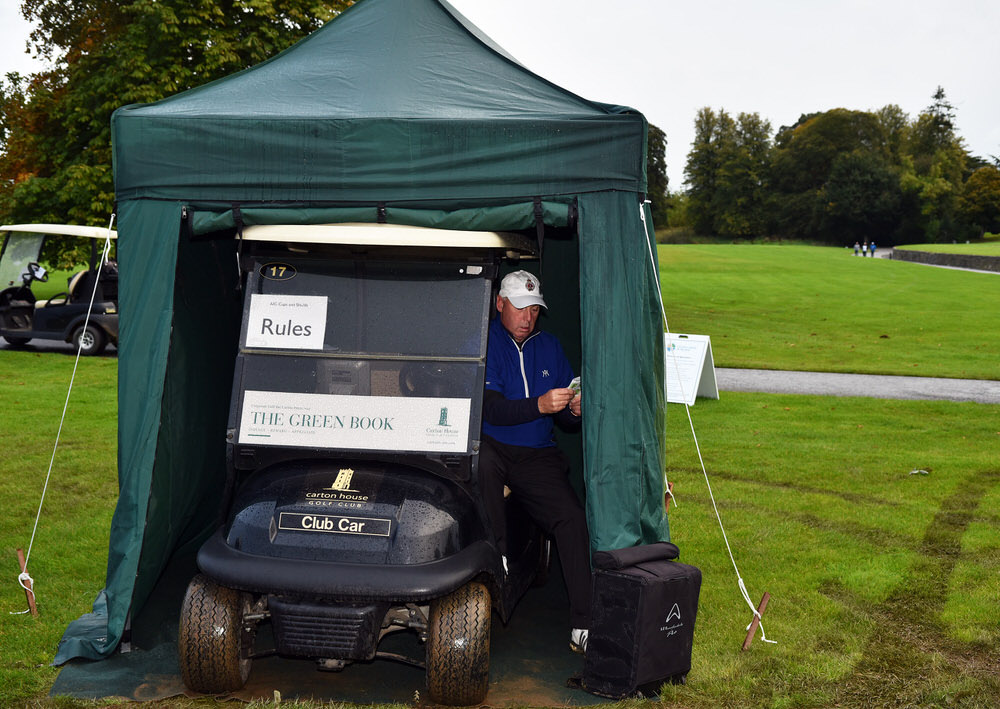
column 574, row 405
column 555, row 400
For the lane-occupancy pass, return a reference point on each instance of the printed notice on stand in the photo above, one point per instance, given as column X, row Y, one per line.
column 690, row 368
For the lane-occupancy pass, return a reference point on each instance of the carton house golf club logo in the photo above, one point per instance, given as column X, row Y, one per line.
column 673, row 616
column 339, row 494
column 442, row 430
column 343, row 481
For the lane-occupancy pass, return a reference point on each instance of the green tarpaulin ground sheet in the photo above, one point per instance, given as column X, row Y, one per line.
column 530, row 661
column 397, row 109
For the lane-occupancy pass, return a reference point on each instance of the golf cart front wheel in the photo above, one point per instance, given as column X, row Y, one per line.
column 458, row 646
column 17, row 341
column 90, row 340
column 212, row 643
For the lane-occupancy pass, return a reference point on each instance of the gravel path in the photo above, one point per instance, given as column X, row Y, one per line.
column 782, row 382
column 874, row 385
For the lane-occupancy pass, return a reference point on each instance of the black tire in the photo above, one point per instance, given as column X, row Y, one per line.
column 17, row 341
column 458, row 646
column 91, row 340
column 212, row 644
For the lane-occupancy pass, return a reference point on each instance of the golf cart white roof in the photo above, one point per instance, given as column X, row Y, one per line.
column 388, row 235
column 89, row 232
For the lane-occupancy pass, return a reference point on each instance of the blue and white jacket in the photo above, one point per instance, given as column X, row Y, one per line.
column 522, row 374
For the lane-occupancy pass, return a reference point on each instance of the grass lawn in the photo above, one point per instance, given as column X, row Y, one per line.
column 986, row 248
column 822, row 309
column 883, row 578
column 883, row 581
column 69, row 556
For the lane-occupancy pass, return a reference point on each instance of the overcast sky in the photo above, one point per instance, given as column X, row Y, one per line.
column 779, row 58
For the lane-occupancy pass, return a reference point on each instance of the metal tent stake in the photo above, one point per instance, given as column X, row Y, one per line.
column 28, row 591
column 756, row 620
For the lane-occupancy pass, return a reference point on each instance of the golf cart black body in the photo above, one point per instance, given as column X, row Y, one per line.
column 354, row 507
column 63, row 316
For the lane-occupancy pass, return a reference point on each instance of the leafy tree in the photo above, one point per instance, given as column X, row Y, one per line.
column 701, row 169
column 656, row 174
column 979, row 203
column 727, row 172
column 933, row 168
column 933, row 130
column 677, row 213
column 803, row 161
column 861, row 198
column 741, row 183
column 894, row 123
column 56, row 159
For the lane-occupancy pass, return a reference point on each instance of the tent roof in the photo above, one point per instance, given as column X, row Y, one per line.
column 380, row 99
column 385, row 59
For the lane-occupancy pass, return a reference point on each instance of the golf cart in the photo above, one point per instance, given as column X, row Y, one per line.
column 353, row 508
column 23, row 317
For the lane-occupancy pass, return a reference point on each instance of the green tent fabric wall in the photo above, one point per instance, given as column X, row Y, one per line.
column 400, row 103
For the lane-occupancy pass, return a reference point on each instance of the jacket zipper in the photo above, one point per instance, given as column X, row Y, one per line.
column 520, row 356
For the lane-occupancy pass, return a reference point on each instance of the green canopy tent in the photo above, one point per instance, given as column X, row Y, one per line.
column 397, row 111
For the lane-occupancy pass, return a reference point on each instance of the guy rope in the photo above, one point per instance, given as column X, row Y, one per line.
column 24, row 578
column 758, row 611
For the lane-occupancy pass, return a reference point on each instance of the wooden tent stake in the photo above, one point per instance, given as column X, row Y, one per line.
column 756, row 620
column 29, row 592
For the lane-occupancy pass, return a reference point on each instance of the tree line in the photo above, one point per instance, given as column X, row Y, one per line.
column 836, row 177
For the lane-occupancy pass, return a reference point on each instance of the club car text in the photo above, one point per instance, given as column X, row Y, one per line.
column 334, row 524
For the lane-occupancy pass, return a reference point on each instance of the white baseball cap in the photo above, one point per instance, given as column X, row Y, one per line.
column 522, row 289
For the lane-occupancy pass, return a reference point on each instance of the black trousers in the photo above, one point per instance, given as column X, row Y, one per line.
column 538, row 479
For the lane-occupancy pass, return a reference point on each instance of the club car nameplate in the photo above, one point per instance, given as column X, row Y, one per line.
column 388, row 423
column 334, row 524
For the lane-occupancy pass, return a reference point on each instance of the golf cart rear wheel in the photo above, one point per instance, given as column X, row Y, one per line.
column 213, row 644
column 458, row 646
column 90, row 340
column 17, row 341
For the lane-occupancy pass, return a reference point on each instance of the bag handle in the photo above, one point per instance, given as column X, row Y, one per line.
column 630, row 556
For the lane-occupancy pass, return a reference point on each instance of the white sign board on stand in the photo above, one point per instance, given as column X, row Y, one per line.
column 690, row 368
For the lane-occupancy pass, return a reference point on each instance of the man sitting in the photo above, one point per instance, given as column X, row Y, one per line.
column 527, row 388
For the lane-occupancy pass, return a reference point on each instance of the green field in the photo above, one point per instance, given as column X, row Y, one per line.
column 814, row 308
column 872, row 523
column 883, row 580
column 987, row 248
column 70, row 550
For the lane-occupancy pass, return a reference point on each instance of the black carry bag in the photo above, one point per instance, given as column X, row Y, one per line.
column 642, row 621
